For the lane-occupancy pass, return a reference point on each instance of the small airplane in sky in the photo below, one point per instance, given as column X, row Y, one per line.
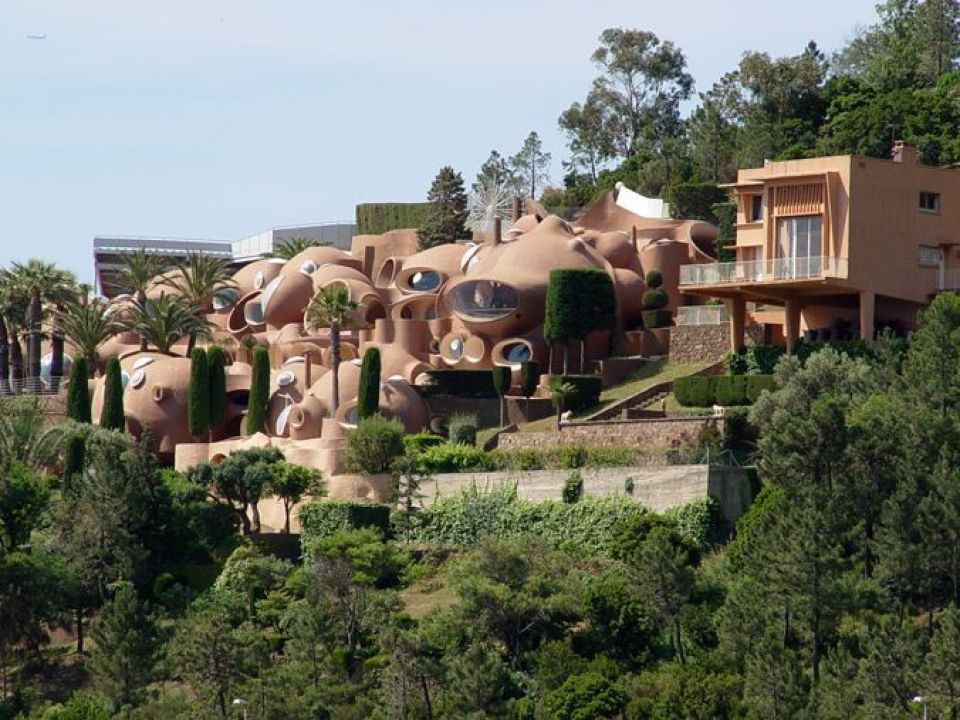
column 36, row 37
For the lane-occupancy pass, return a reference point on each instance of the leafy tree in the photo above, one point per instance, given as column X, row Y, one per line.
column 531, row 164
column 23, row 499
column 216, row 361
column 127, row 644
column 239, row 481
column 26, row 436
column 250, row 576
column 78, row 392
column 587, row 130
column 198, row 394
column 111, row 415
column 573, row 487
column 259, row 392
column 447, row 223
column 334, row 308
column 368, row 396
column 587, row 696
column 373, row 446
column 290, row 483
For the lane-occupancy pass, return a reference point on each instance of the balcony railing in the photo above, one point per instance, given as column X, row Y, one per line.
column 702, row 315
column 762, row 271
column 948, row 279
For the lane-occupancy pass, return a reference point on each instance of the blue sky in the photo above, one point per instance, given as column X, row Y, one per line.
column 220, row 118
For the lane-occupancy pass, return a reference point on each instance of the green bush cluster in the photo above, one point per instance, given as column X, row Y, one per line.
column 462, row 429
column 726, row 215
column 762, row 359
column 373, row 446
column 461, row 383
column 584, row 527
column 700, row 521
column 377, row 218
column 727, row 390
column 421, row 441
column 694, row 200
column 323, row 518
column 586, row 392
column 451, row 457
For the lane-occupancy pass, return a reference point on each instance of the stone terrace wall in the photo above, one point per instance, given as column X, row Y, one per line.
column 657, row 433
column 707, row 343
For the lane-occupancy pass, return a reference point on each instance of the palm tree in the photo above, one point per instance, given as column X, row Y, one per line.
column 137, row 271
column 40, row 282
column 87, row 325
column 165, row 321
column 295, row 245
column 26, row 437
column 559, row 392
column 7, row 329
column 199, row 280
column 333, row 308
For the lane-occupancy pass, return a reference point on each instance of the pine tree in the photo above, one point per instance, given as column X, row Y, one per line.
column 447, row 223
column 198, row 394
column 368, row 396
column 78, row 394
column 127, row 642
column 531, row 163
column 111, row 416
column 216, row 361
column 259, row 392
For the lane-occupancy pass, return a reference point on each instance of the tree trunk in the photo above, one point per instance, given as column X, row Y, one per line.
column 426, row 696
column 36, row 315
column 142, row 302
column 255, row 512
column 550, row 360
column 566, row 358
column 678, row 641
column 16, row 361
column 191, row 343
column 286, row 517
column 503, row 410
column 91, row 366
column 4, row 358
column 582, row 357
column 79, row 631
column 245, row 521
column 335, row 357
column 56, row 359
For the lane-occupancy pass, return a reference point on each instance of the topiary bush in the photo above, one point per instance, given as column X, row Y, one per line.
column 259, row 392
column 216, row 362
column 653, row 279
column 653, row 319
column 462, row 429
column 693, row 391
column 78, row 392
column 111, row 415
column 368, row 395
column 529, row 377
column 373, row 446
column 198, row 394
column 756, row 384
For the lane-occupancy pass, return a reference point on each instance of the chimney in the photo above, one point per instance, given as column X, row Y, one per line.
column 497, row 231
column 902, row 152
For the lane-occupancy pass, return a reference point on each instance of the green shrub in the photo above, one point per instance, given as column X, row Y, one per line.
column 462, row 429
column 419, row 442
column 525, row 459
column 453, row 457
column 756, row 384
column 762, row 359
column 611, row 456
column 654, row 299
column 529, row 377
column 322, row 518
column 570, row 457
column 573, row 487
column 693, row 391
column 502, row 376
column 653, row 319
column 653, row 279
column 460, row 383
column 700, row 521
column 735, row 363
column 739, row 435
column 730, row 389
column 586, row 393
column 373, row 446
column 368, row 394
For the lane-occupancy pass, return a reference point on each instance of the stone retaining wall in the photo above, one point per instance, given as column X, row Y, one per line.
column 659, row 432
column 707, row 343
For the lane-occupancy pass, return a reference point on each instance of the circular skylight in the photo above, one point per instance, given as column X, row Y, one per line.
column 287, row 377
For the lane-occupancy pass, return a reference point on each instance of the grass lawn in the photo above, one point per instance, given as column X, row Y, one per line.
column 653, row 373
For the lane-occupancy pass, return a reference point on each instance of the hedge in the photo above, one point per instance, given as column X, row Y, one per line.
column 460, row 383
column 322, row 518
column 579, row 301
column 449, row 457
column 378, row 218
column 586, row 393
column 727, row 390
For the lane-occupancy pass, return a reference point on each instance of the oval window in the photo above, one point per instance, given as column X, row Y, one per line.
column 424, row 281
column 308, row 267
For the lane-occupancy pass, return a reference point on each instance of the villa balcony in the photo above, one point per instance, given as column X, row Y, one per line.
column 762, row 271
column 948, row 279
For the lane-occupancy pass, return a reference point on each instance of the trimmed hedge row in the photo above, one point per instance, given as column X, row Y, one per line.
column 449, row 457
column 323, row 518
column 377, row 218
column 700, row 391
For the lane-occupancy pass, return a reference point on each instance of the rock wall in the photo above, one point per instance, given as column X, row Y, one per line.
column 707, row 343
column 657, row 433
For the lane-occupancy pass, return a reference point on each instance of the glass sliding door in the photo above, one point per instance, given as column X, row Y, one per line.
column 798, row 247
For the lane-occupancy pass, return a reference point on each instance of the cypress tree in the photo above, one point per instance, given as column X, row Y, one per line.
column 111, row 416
column 501, row 383
column 218, row 385
column 78, row 394
column 529, row 379
column 73, row 457
column 198, row 394
column 368, row 397
column 259, row 392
